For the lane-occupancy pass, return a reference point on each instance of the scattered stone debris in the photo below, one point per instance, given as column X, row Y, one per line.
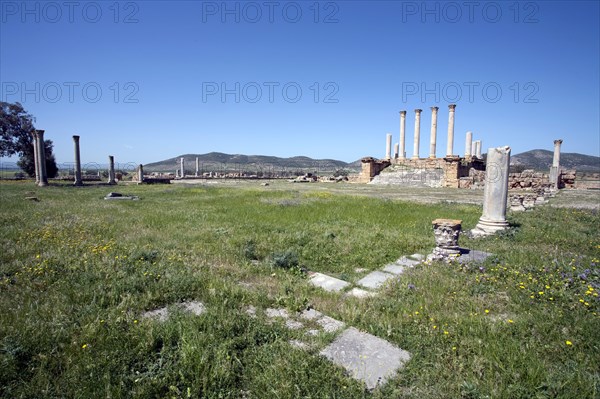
column 162, row 314
column 119, row 196
column 35, row 199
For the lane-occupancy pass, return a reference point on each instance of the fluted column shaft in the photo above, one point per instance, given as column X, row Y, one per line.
column 388, row 146
column 111, row 170
column 417, row 133
column 450, row 146
column 41, row 155
column 432, row 138
column 402, row 152
column 78, row 181
column 468, row 144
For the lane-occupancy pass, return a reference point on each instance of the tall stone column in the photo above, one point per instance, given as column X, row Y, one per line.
column 111, row 170
column 432, row 138
column 141, row 173
column 468, row 145
column 495, row 194
column 41, row 154
column 555, row 168
column 402, row 152
column 78, row 181
column 450, row 146
column 182, row 167
column 36, row 161
column 388, row 146
column 474, row 149
column 197, row 167
column 417, row 133
column 478, row 149
column 396, row 150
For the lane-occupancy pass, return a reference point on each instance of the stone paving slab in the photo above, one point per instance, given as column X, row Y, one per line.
column 293, row 324
column 404, row 261
column 374, row 279
column 311, row 314
column 330, row 324
column 272, row 313
column 328, row 283
column 366, row 357
column 418, row 257
column 472, row 255
column 394, row 269
column 360, row 293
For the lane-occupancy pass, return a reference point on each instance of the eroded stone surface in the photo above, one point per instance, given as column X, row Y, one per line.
column 161, row 314
column 272, row 313
column 394, row 269
column 328, row 283
column 404, row 261
column 374, row 279
column 194, row 307
column 366, row 357
column 293, row 324
column 472, row 256
column 330, row 324
column 311, row 314
column 360, row 293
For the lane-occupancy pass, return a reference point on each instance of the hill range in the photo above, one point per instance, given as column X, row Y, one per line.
column 539, row 160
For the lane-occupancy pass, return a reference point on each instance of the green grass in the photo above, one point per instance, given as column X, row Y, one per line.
column 77, row 272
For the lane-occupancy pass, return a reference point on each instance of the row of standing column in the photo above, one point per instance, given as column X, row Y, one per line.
column 471, row 148
column 78, row 178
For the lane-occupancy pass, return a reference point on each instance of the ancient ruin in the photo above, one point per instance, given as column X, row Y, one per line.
column 446, row 233
column 495, row 193
column 40, row 158
column 78, row 181
column 111, row 170
column 430, row 171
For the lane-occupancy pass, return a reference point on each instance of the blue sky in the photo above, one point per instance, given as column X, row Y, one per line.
column 150, row 80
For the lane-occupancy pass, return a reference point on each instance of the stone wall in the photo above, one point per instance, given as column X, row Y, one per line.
column 527, row 179
column 587, row 181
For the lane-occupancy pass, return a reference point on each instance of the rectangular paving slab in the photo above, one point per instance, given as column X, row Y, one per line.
column 374, row 279
column 366, row 357
column 472, row 255
column 328, row 283
column 394, row 269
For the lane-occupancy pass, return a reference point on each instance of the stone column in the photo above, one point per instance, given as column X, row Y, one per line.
column 555, row 168
column 402, row 152
column 36, row 161
column 417, row 133
column 388, row 146
column 450, row 146
column 182, row 167
column 468, row 145
column 478, row 149
column 446, row 233
column 396, row 150
column 111, row 170
column 197, row 166
column 495, row 194
column 141, row 173
column 78, row 181
column 474, row 149
column 434, row 111
column 41, row 154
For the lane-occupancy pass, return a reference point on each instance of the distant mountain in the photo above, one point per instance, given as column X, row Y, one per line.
column 233, row 162
column 541, row 160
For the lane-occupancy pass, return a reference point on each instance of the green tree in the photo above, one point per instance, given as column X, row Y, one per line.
column 27, row 164
column 16, row 127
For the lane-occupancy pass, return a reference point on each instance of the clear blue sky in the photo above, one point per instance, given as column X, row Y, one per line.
column 161, row 68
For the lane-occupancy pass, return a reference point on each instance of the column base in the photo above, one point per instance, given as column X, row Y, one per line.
column 432, row 157
column 415, row 157
column 487, row 227
column 78, row 184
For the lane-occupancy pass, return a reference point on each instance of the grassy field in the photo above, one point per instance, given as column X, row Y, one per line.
column 77, row 272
